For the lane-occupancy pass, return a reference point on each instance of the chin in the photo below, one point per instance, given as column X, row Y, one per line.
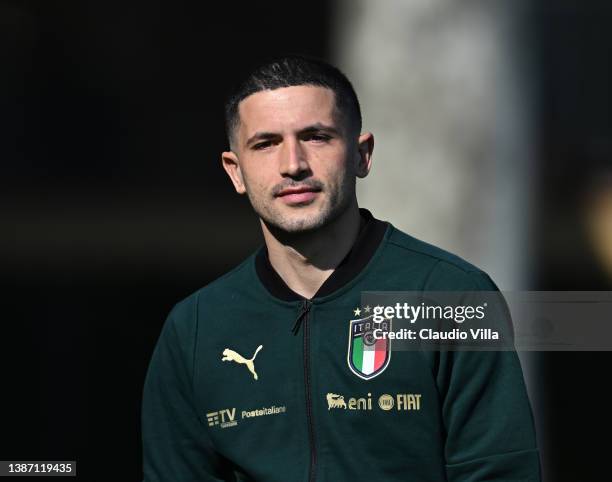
column 302, row 218
column 300, row 224
column 297, row 221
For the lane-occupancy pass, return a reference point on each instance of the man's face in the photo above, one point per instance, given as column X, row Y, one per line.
column 295, row 158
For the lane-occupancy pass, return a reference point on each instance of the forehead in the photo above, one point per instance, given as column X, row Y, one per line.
column 286, row 108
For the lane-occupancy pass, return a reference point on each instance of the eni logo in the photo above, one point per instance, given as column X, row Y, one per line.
column 231, row 355
column 335, row 401
column 402, row 402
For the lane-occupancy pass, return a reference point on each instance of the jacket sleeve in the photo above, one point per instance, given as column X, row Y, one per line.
column 490, row 435
column 175, row 442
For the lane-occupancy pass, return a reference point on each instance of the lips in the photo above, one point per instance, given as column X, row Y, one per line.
column 298, row 195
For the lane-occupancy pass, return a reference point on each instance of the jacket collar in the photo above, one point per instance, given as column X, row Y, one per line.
column 371, row 233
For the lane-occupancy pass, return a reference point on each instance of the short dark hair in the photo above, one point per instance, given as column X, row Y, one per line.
column 294, row 70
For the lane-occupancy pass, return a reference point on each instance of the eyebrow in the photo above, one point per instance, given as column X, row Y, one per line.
column 316, row 127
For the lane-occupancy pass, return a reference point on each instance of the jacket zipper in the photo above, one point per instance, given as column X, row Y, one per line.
column 303, row 319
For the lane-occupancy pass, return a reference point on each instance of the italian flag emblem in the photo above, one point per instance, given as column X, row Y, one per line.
column 367, row 356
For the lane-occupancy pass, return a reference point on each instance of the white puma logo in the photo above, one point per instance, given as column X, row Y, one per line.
column 231, row 355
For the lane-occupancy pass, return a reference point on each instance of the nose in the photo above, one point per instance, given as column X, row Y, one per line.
column 293, row 161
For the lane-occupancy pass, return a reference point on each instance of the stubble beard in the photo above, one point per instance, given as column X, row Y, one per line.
column 336, row 203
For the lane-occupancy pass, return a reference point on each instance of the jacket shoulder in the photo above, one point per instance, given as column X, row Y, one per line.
column 219, row 290
column 446, row 270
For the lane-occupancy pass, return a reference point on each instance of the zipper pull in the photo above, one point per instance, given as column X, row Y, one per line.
column 304, row 309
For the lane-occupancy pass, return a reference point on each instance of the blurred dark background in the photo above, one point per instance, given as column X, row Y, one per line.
column 114, row 205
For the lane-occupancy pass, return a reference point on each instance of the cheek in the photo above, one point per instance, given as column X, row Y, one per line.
column 335, row 164
column 257, row 178
column 338, row 170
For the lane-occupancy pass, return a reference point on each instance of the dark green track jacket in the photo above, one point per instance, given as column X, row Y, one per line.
column 250, row 382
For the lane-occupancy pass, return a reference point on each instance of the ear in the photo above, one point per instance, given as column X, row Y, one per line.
column 229, row 160
column 364, row 149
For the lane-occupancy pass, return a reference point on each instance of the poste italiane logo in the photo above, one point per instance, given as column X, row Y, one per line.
column 227, row 417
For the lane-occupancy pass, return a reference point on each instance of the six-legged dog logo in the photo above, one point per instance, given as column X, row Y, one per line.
column 335, row 401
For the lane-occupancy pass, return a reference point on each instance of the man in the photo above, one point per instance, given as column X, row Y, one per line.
column 251, row 378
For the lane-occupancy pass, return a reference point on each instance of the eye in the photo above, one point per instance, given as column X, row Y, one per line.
column 262, row 145
column 317, row 137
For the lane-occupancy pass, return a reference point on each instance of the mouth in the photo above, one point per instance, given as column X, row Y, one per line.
column 298, row 195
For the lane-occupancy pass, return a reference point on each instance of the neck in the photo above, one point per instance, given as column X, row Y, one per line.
column 305, row 260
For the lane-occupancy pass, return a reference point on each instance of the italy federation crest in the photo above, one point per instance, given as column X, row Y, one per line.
column 367, row 356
